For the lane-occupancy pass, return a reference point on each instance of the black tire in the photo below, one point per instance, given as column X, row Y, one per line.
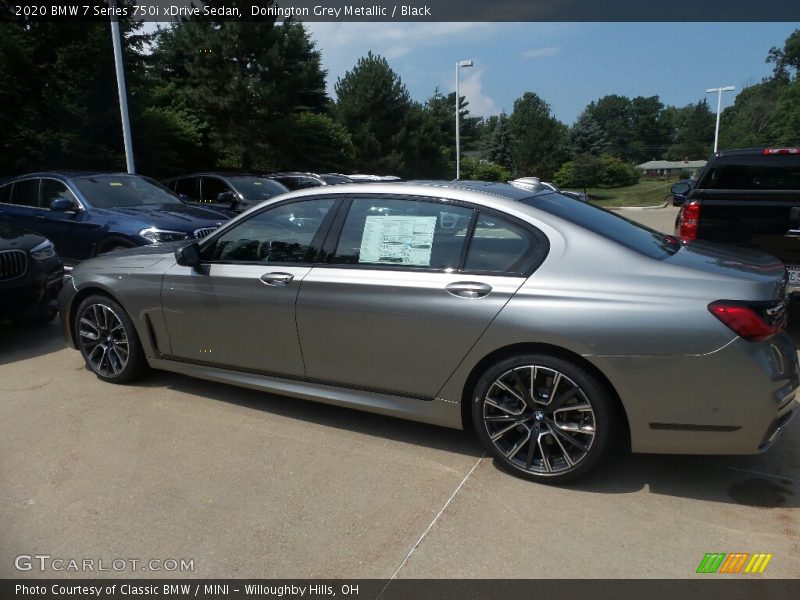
column 104, row 318
column 513, row 401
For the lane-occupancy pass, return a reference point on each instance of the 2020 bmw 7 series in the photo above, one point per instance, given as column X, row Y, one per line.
column 550, row 326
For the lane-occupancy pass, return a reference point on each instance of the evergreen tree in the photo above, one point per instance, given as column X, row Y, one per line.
column 587, row 137
column 501, row 147
column 540, row 140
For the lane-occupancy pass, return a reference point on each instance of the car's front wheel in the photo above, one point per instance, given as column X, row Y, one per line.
column 543, row 417
column 108, row 341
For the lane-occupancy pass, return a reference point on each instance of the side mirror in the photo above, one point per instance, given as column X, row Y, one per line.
column 188, row 256
column 680, row 188
column 62, row 205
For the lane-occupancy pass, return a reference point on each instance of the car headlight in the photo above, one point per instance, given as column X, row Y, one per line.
column 157, row 236
column 43, row 251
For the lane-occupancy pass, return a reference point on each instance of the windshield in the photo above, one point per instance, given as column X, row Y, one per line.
column 608, row 224
column 257, row 188
column 109, row 191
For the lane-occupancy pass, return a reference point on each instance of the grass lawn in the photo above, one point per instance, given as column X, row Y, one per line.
column 648, row 192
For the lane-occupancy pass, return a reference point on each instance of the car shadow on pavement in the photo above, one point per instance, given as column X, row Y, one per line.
column 379, row 426
column 21, row 342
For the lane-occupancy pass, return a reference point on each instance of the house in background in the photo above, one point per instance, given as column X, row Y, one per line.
column 669, row 169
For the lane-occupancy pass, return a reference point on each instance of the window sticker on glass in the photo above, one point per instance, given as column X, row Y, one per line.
column 397, row 240
column 115, row 184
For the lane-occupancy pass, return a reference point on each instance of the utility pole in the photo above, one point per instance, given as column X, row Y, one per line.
column 459, row 65
column 123, row 95
column 719, row 90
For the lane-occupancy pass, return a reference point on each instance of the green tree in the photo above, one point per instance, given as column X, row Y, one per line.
column 501, row 147
column 250, row 81
column 693, row 127
column 539, row 138
column 587, row 137
column 374, row 106
column 786, row 59
column 614, row 115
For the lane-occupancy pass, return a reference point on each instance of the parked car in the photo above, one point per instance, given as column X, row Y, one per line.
column 549, row 325
column 235, row 192
column 534, row 184
column 86, row 214
column 297, row 181
column 335, row 178
column 361, row 178
column 748, row 198
column 31, row 275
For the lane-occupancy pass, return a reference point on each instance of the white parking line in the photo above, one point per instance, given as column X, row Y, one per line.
column 436, row 518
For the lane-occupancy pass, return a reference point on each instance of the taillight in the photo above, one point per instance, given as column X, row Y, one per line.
column 747, row 321
column 772, row 151
column 690, row 217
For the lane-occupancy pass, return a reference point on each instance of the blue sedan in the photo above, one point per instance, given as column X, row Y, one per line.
column 86, row 214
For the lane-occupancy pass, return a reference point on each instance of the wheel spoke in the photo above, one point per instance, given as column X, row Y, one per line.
column 498, row 406
column 518, row 446
column 560, row 435
column 506, row 388
column 497, row 435
column 527, row 394
column 564, row 452
column 545, row 454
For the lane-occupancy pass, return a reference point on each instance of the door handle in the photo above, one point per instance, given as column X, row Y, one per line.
column 276, row 279
column 468, row 289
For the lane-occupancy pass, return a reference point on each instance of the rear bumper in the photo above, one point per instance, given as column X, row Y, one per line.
column 736, row 400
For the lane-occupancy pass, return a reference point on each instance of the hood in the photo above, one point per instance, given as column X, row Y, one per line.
column 139, row 257
column 17, row 238
column 175, row 217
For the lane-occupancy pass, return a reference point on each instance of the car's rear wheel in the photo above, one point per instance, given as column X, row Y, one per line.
column 543, row 417
column 108, row 341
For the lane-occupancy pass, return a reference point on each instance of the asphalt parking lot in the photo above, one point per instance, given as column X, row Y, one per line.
column 247, row 484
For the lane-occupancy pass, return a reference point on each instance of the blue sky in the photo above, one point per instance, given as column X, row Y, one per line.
column 567, row 64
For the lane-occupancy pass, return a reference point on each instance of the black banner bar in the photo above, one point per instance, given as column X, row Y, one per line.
column 409, row 10
column 710, row 587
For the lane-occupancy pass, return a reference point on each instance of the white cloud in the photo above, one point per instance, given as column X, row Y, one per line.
column 471, row 87
column 542, row 52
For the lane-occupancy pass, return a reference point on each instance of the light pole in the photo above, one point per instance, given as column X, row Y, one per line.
column 719, row 90
column 123, row 95
column 459, row 64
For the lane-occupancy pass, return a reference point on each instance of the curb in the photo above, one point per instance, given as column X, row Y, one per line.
column 657, row 207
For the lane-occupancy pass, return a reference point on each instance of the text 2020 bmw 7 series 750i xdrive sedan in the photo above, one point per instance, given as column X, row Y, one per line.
column 550, row 326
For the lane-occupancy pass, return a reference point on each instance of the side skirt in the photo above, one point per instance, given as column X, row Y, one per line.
column 436, row 412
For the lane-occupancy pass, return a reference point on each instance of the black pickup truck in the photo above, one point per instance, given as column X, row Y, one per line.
column 748, row 198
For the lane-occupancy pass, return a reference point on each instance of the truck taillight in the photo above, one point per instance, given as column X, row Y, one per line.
column 773, row 151
column 690, row 217
column 747, row 321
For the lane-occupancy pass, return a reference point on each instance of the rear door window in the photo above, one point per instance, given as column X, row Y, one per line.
column 26, row 193
column 418, row 234
column 498, row 246
column 187, row 187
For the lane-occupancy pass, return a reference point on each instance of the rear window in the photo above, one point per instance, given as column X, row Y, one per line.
column 755, row 172
column 608, row 224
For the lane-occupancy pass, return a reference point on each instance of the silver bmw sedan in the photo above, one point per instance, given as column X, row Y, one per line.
column 551, row 327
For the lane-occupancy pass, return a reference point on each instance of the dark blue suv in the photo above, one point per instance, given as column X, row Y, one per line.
column 85, row 214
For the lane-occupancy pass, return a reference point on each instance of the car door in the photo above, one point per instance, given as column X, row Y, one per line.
column 70, row 231
column 407, row 289
column 237, row 310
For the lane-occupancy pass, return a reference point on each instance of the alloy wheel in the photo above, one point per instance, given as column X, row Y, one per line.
column 103, row 340
column 539, row 419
